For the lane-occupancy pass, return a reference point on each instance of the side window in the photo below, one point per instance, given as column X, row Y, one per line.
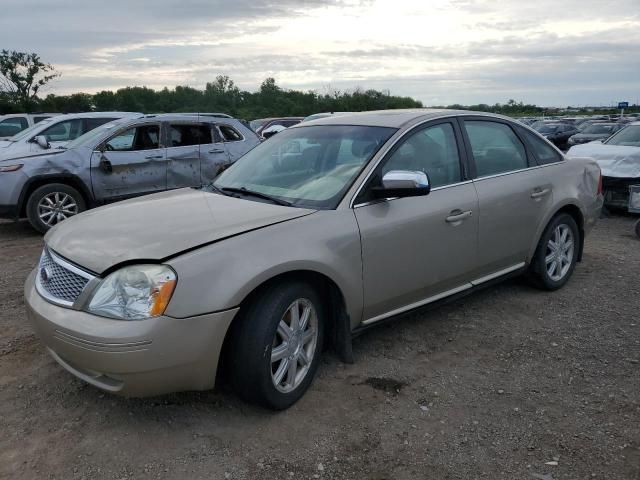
column 91, row 123
column 12, row 125
column 144, row 137
column 184, row 135
column 230, row 134
column 432, row 150
column 543, row 152
column 39, row 119
column 63, row 131
column 496, row 148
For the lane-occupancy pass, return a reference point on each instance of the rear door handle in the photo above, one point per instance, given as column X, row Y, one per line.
column 538, row 193
column 154, row 157
column 458, row 215
column 216, row 150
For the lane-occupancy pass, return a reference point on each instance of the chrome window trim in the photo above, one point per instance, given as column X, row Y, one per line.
column 68, row 266
column 440, row 296
column 510, row 172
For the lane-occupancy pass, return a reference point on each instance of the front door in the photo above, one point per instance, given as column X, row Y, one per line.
column 132, row 162
column 415, row 250
column 514, row 195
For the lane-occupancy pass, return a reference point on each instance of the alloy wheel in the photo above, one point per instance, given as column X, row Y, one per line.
column 55, row 207
column 294, row 345
column 560, row 251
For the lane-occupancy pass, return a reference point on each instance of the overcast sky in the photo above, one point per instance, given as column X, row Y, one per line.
column 548, row 52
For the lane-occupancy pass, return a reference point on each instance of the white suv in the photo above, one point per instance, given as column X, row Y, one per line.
column 14, row 123
column 56, row 132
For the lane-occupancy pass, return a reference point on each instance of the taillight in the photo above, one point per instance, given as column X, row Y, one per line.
column 600, row 184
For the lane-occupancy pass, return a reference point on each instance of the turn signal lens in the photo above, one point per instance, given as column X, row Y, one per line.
column 600, row 184
column 160, row 298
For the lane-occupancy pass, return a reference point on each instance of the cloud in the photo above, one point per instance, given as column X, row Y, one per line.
column 442, row 51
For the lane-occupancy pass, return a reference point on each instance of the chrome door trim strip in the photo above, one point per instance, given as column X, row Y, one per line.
column 411, row 306
column 497, row 274
column 448, row 293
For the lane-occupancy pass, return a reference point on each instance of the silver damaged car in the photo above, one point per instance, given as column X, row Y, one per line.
column 330, row 227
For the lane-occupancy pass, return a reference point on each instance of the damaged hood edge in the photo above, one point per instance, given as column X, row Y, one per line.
column 160, row 226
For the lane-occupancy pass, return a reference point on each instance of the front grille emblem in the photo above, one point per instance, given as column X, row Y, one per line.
column 45, row 274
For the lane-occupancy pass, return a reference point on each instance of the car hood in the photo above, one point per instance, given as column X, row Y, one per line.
column 12, row 157
column 158, row 226
column 4, row 144
column 614, row 160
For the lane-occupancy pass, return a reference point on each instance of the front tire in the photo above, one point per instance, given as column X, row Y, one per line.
column 51, row 204
column 276, row 345
column 557, row 253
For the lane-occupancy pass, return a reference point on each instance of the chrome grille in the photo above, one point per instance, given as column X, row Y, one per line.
column 60, row 281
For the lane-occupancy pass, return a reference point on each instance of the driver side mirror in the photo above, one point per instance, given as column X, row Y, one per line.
column 403, row 183
column 42, row 142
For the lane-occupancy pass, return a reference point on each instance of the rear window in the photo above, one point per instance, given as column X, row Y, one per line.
column 183, row 135
column 230, row 134
column 543, row 152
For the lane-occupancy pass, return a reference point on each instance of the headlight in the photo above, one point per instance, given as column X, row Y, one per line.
column 134, row 293
column 10, row 168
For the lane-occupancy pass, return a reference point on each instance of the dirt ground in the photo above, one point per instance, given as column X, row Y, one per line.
column 509, row 383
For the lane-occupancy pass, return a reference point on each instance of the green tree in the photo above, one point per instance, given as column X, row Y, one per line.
column 22, row 75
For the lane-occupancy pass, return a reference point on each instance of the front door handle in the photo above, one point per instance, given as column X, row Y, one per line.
column 539, row 193
column 154, row 157
column 458, row 215
column 216, row 150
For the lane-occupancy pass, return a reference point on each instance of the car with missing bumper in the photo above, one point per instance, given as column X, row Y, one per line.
column 312, row 237
column 119, row 160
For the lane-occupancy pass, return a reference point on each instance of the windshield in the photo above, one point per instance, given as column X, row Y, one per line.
column 94, row 134
column 307, row 166
column 629, row 136
column 31, row 130
column 548, row 129
column 599, row 129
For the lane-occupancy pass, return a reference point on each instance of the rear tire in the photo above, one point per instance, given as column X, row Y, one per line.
column 53, row 203
column 273, row 362
column 557, row 253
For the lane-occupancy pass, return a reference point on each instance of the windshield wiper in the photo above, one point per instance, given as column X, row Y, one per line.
column 253, row 193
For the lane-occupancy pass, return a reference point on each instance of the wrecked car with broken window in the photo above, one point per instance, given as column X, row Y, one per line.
column 119, row 160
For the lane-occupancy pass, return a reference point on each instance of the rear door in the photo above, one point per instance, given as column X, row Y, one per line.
column 131, row 162
column 418, row 249
column 213, row 154
column 514, row 194
column 184, row 160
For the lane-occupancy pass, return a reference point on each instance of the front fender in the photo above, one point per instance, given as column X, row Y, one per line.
column 220, row 276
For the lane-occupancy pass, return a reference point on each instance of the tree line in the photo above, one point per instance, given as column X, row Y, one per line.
column 24, row 75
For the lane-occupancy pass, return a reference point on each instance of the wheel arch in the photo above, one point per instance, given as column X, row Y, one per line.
column 570, row 208
column 338, row 328
column 36, row 182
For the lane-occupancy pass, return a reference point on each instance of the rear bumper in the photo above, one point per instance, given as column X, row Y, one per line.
column 131, row 358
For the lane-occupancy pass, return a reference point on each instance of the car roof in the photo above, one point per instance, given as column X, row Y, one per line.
column 97, row 115
column 392, row 118
column 190, row 117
